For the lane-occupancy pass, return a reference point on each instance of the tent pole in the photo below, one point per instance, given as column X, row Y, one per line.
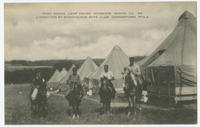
column 153, row 77
column 175, row 81
column 169, row 93
column 158, row 82
column 180, row 85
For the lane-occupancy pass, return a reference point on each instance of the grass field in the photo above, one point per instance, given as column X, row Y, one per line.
column 17, row 111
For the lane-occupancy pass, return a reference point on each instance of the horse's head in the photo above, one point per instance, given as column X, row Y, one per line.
column 126, row 71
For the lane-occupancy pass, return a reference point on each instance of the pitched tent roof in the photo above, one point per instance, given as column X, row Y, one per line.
column 182, row 50
column 182, row 47
column 181, row 40
column 61, row 75
column 116, row 61
column 87, row 67
column 53, row 76
column 66, row 76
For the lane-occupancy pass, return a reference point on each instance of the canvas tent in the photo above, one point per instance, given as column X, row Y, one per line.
column 63, row 86
column 65, row 77
column 61, row 75
column 116, row 60
column 51, row 81
column 171, row 68
column 53, row 76
column 86, row 68
column 58, row 77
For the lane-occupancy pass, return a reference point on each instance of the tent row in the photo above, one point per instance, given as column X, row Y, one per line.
column 170, row 69
column 59, row 79
column 90, row 72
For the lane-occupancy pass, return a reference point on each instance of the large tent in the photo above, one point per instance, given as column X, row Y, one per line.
column 86, row 68
column 116, row 60
column 171, row 68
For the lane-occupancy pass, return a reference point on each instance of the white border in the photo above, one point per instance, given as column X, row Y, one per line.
column 60, row 1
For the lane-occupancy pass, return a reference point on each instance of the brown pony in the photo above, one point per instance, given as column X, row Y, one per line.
column 74, row 98
column 106, row 94
column 130, row 92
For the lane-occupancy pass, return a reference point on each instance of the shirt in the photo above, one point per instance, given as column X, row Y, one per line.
column 74, row 80
column 136, row 72
column 108, row 75
column 135, row 69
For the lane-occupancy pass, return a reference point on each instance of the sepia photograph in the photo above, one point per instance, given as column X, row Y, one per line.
column 100, row 63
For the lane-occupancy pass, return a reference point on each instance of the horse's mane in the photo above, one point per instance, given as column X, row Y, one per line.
column 104, row 79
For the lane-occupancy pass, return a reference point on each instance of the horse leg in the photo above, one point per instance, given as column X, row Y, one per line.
column 73, row 111
column 134, row 105
column 107, row 107
column 102, row 109
column 77, row 110
column 129, row 106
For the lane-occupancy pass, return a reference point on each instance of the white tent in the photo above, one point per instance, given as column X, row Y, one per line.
column 61, row 75
column 55, row 83
column 65, row 77
column 53, row 76
column 116, row 60
column 86, row 68
column 184, row 32
column 175, row 60
column 182, row 50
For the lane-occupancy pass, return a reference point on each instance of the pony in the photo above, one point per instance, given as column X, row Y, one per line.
column 74, row 98
column 38, row 100
column 130, row 90
column 106, row 94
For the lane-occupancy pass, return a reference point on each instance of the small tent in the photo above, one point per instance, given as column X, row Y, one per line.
column 86, row 68
column 53, row 76
column 61, row 75
column 65, row 77
column 51, row 81
column 63, row 86
column 56, row 82
column 171, row 68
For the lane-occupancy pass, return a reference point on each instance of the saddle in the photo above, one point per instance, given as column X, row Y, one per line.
column 130, row 88
column 106, row 87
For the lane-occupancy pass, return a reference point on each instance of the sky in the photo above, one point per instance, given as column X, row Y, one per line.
column 30, row 38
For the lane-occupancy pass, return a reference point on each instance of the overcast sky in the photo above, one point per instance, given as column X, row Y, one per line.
column 29, row 38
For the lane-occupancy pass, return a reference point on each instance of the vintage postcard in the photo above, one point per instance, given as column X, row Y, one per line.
column 100, row 63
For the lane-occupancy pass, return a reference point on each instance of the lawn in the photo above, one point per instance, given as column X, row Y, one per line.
column 17, row 111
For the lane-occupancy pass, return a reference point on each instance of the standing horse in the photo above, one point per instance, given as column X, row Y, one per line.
column 39, row 99
column 74, row 98
column 106, row 94
column 130, row 92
